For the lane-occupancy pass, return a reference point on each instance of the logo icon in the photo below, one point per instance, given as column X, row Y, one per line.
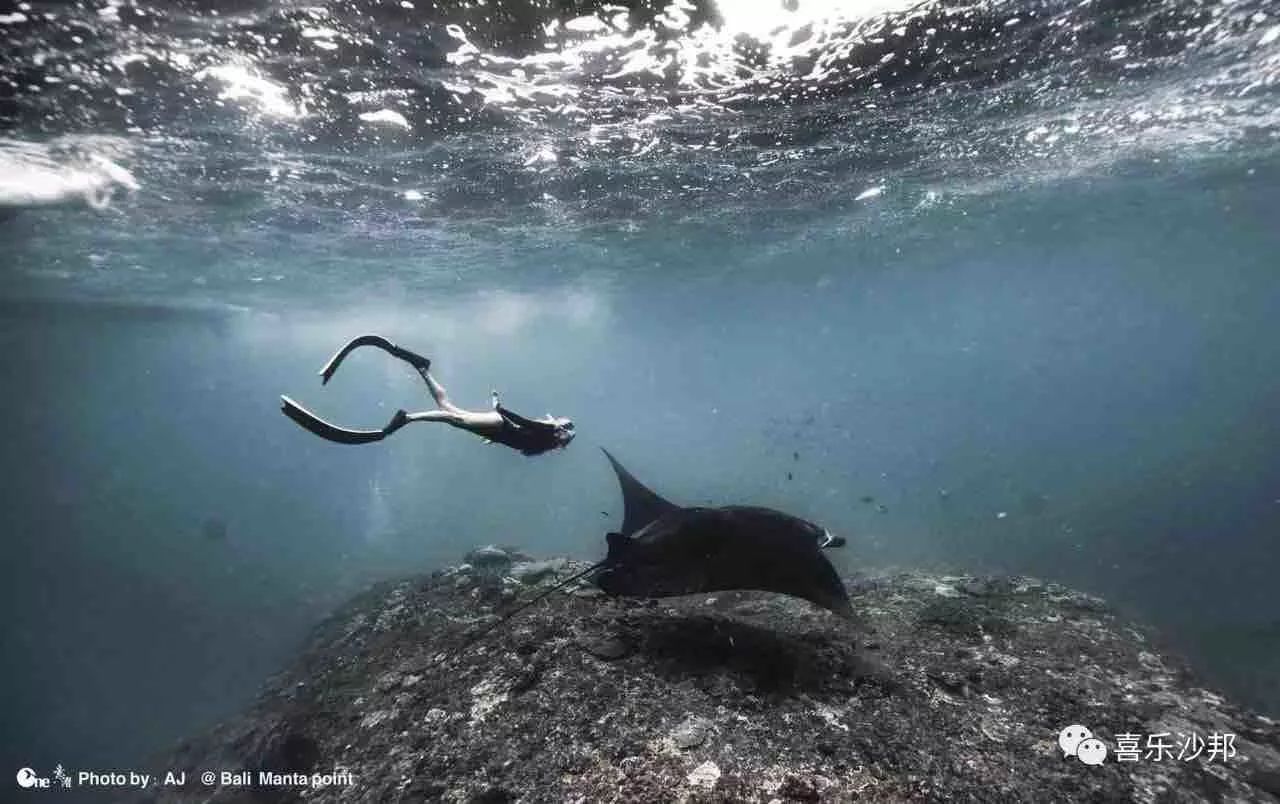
column 1069, row 739
column 27, row 778
column 1077, row 741
column 1091, row 751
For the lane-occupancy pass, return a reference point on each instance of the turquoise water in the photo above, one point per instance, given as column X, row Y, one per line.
column 1016, row 283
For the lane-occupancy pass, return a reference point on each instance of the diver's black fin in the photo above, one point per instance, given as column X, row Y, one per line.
column 412, row 358
column 640, row 504
column 324, row 429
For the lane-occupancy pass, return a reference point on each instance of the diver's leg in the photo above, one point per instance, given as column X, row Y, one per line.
column 342, row 435
column 420, row 364
column 438, row 393
column 414, row 359
column 402, row 418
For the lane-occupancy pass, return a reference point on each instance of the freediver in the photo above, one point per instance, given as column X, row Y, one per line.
column 499, row 425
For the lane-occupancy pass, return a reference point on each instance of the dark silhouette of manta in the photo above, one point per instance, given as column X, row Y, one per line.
column 665, row 549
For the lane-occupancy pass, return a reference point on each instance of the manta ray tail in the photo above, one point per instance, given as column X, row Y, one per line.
column 640, row 504
column 504, row 618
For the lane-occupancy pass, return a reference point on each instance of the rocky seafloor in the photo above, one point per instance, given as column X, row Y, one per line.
column 940, row 689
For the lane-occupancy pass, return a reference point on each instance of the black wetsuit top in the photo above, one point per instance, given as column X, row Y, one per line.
column 526, row 435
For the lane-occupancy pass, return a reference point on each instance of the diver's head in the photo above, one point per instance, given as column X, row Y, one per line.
column 564, row 432
column 563, row 429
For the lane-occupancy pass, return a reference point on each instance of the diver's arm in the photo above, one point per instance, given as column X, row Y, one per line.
column 520, row 421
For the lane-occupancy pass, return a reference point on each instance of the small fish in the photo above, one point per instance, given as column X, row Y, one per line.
column 788, row 475
column 882, row 508
column 795, row 456
column 604, row 513
column 868, row 499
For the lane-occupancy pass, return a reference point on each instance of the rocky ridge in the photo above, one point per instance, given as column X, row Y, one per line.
column 941, row 689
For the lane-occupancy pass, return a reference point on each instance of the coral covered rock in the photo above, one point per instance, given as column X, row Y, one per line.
column 941, row 689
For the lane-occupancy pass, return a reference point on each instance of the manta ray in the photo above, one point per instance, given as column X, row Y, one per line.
column 664, row 550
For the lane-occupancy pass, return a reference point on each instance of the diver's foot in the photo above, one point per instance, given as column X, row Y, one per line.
column 412, row 358
column 397, row 421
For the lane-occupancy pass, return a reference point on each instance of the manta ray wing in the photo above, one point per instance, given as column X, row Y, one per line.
column 828, row 590
column 750, row 547
column 640, row 504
